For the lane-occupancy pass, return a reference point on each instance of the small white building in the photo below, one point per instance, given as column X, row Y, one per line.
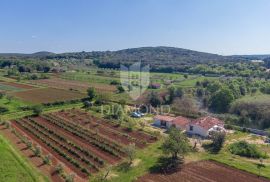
column 205, row 125
column 168, row 121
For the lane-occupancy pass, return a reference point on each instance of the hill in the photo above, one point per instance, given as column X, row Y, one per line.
column 37, row 54
column 256, row 56
column 159, row 58
column 163, row 58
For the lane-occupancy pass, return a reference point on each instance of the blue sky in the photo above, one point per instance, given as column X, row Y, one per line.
column 217, row 26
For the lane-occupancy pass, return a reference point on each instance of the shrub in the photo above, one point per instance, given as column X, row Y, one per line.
column 59, row 168
column 242, row 148
column 7, row 124
column 29, row 144
column 37, row 110
column 218, row 141
column 37, row 151
column 47, row 159
column 115, row 82
column 3, row 109
column 1, row 122
column 228, row 126
column 70, row 177
column 87, row 104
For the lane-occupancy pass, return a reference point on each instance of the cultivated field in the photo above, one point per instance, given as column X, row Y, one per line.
column 47, row 95
column 204, row 171
column 74, row 85
column 13, row 86
column 85, row 144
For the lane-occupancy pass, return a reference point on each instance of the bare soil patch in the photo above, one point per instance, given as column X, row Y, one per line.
column 47, row 95
column 74, row 85
column 204, row 171
column 18, row 85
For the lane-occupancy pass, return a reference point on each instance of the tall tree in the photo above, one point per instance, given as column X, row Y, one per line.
column 176, row 144
column 221, row 100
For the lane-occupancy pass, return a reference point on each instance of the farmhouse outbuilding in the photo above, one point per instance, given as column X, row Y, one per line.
column 169, row 121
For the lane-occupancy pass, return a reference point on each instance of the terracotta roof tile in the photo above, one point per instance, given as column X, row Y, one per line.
column 164, row 118
column 207, row 122
column 181, row 121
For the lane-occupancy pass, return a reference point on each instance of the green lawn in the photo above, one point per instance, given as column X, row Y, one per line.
column 13, row 167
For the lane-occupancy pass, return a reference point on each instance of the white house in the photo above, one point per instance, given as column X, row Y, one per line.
column 168, row 121
column 205, row 125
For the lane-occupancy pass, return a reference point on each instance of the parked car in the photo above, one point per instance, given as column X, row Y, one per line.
column 136, row 115
column 142, row 114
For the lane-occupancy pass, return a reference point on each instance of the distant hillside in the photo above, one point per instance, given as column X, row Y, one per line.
column 159, row 58
column 163, row 55
column 37, row 54
column 163, row 58
column 257, row 57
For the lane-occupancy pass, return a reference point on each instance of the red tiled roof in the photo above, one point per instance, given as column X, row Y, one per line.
column 207, row 122
column 181, row 121
column 164, row 118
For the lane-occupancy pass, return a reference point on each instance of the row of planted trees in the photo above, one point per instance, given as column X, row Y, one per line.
column 37, row 152
column 91, row 137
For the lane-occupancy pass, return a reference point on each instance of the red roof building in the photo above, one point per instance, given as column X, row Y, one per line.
column 207, row 122
column 181, row 121
column 202, row 126
column 168, row 121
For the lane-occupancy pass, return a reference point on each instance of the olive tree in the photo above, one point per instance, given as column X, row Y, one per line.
column 176, row 144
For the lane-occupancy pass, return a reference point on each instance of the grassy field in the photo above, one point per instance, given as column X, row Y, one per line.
column 258, row 97
column 192, row 80
column 13, row 167
column 21, row 114
column 12, row 104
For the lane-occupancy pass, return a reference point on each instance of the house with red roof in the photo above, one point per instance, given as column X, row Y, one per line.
column 205, row 125
column 169, row 121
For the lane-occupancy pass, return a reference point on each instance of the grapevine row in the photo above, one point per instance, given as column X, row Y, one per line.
column 51, row 145
column 91, row 138
column 87, row 153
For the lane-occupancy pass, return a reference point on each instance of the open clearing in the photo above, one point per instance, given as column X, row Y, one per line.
column 47, row 95
column 204, row 171
column 85, row 144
